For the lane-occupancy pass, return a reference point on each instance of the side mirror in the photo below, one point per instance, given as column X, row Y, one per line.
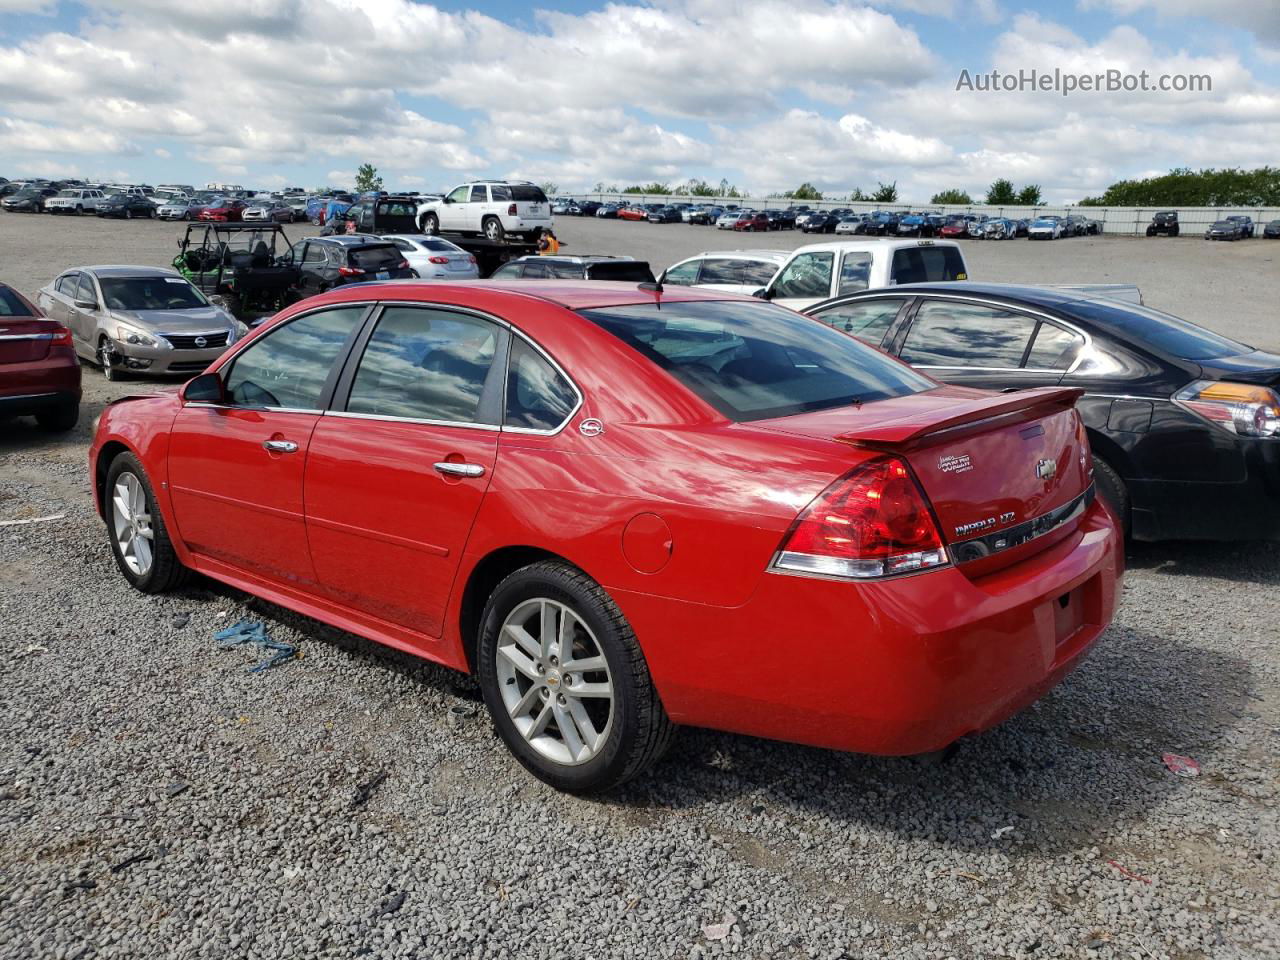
column 87, row 304
column 206, row 388
column 764, row 293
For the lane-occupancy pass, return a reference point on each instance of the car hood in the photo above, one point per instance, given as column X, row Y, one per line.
column 1256, row 367
column 196, row 320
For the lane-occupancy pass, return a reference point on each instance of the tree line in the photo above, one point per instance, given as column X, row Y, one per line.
column 1183, row 187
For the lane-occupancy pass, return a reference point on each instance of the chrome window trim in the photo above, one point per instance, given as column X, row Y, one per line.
column 388, row 418
column 1022, row 533
column 1033, row 311
column 233, row 406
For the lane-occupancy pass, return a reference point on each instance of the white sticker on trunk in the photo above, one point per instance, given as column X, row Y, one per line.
column 955, row 463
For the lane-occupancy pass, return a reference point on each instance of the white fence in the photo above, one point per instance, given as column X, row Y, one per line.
column 1122, row 221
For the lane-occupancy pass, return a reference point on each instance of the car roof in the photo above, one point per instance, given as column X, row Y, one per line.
column 774, row 256
column 350, row 240
column 123, row 270
column 874, row 243
column 1024, row 293
column 575, row 258
column 571, row 294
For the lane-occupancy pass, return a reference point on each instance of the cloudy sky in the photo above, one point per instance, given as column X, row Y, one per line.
column 767, row 94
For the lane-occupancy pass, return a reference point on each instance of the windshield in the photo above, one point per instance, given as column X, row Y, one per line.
column 1162, row 331
column 754, row 361
column 150, row 293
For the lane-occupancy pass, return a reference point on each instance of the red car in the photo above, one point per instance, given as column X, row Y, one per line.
column 752, row 222
column 227, row 210
column 954, row 229
column 633, row 213
column 623, row 509
column 39, row 372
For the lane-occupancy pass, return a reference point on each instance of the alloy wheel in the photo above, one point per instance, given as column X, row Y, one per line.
column 555, row 681
column 131, row 520
column 106, row 359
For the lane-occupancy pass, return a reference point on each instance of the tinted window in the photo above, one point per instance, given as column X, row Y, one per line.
column 1055, row 348
column 1163, row 332
column 855, row 272
column 478, row 195
column 751, row 361
column 868, row 320
column 381, row 257
column 67, row 285
column 538, row 397
column 923, row 264
column 11, row 306
column 758, row 273
column 625, row 271
column 426, row 365
column 288, row 366
column 683, row 274
column 315, row 253
column 808, row 275
column 537, row 270
column 150, row 293
column 721, row 271
column 397, row 208
column 527, row 193
column 85, row 290
column 967, row 335
column 500, row 192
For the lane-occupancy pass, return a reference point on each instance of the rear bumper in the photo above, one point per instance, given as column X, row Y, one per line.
column 39, row 384
column 898, row 667
column 1248, row 509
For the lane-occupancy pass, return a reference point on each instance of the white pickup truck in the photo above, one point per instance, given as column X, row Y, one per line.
column 821, row 270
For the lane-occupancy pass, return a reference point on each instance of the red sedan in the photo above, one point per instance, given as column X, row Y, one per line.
column 633, row 213
column 624, row 509
column 954, row 230
column 39, row 372
column 227, row 210
column 752, row 222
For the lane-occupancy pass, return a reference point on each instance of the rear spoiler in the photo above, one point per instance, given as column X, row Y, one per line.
column 913, row 431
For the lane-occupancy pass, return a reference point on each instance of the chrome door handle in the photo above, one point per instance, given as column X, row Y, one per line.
column 280, row 446
column 460, row 469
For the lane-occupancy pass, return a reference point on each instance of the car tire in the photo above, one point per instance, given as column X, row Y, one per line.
column 59, row 419
column 103, row 356
column 492, row 229
column 140, row 541
column 1111, row 488
column 430, row 224
column 128, row 214
column 1173, row 232
column 527, row 695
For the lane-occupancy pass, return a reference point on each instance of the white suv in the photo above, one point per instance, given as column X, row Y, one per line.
column 730, row 271
column 492, row 208
column 75, row 200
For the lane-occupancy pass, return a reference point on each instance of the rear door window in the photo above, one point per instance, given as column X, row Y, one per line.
column 956, row 334
column 721, row 271
column 868, row 320
column 855, row 272
column 808, row 275
column 758, row 273
column 927, row 264
column 479, row 195
column 427, row 365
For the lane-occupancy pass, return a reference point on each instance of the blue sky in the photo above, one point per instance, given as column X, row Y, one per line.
column 765, row 94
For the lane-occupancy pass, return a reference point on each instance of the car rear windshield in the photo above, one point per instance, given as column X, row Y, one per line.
column 631, row 271
column 397, row 208
column 755, row 361
column 927, row 264
column 380, row 257
column 11, row 306
column 149, row 293
column 1163, row 332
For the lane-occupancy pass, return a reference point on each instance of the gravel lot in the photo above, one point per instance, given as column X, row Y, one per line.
column 127, row 734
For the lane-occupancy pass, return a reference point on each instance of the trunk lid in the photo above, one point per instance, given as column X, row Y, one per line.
column 23, row 339
column 988, row 463
column 1258, row 367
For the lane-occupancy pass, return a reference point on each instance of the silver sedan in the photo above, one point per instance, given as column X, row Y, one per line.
column 140, row 320
column 434, row 258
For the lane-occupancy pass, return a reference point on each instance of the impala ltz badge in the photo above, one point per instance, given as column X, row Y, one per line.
column 967, row 528
column 1046, row 469
column 955, row 463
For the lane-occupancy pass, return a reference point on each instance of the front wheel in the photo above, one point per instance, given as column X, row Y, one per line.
column 493, row 230
column 430, row 224
column 107, row 360
column 139, row 539
column 565, row 681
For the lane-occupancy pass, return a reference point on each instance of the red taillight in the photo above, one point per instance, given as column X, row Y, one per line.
column 511, row 210
column 874, row 522
column 472, row 259
column 402, row 265
column 350, row 271
column 439, row 259
column 61, row 337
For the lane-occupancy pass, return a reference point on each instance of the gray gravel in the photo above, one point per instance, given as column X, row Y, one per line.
column 127, row 734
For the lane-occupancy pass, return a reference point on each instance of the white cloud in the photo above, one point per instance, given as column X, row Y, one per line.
column 1260, row 17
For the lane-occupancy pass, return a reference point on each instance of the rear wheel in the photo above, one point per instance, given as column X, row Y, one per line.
column 1112, row 489
column 139, row 540
column 493, row 230
column 59, row 419
column 128, row 213
column 565, row 681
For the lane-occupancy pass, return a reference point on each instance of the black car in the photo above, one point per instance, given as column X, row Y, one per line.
column 28, row 200
column 588, row 208
column 1272, row 230
column 665, row 215
column 326, row 262
column 126, row 205
column 377, row 215
column 1246, row 225
column 586, row 267
column 1164, row 222
column 820, row 222
column 1224, row 230
column 782, row 219
column 1184, row 424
